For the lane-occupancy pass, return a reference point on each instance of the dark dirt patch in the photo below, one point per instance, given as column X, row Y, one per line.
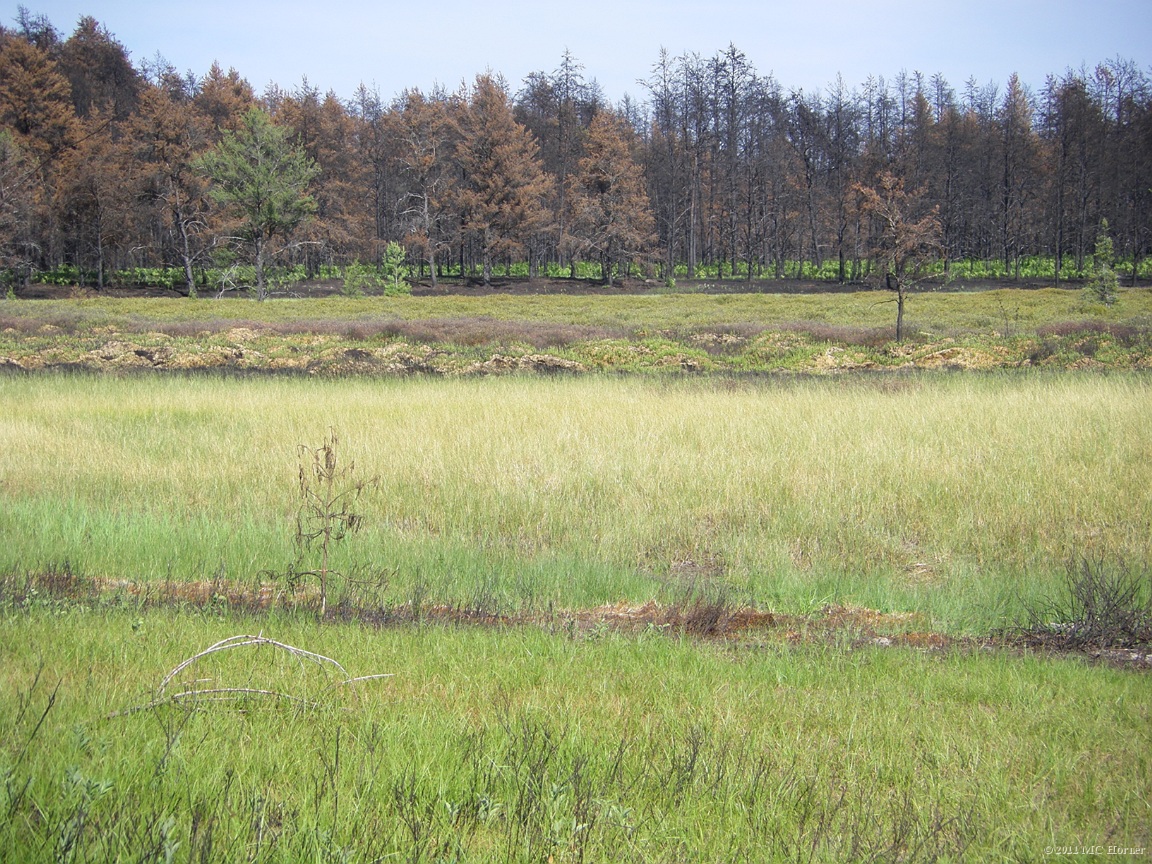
column 707, row 619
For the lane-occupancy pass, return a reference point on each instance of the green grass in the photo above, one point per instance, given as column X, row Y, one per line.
column 932, row 310
column 957, row 497
column 520, row 745
column 961, row 498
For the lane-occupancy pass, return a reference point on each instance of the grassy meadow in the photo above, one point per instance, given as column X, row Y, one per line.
column 529, row 746
column 649, row 311
column 943, row 504
column 955, row 497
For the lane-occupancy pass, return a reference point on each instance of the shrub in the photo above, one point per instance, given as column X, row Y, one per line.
column 1101, row 605
column 360, row 279
column 328, row 493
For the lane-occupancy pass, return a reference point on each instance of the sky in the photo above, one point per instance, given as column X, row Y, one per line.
column 392, row 46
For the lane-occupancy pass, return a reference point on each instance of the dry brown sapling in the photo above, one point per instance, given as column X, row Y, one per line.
column 329, row 494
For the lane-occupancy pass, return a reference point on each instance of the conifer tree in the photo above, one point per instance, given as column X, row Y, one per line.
column 424, row 132
column 501, row 196
column 225, row 99
column 1104, row 282
column 35, row 100
column 611, row 215
column 15, row 211
column 168, row 136
column 261, row 179
column 905, row 237
column 36, row 111
column 99, row 71
column 94, row 198
column 321, row 126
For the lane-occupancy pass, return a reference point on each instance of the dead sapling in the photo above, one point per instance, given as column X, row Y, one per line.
column 329, row 494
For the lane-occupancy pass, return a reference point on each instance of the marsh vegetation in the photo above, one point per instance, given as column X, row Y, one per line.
column 646, row 617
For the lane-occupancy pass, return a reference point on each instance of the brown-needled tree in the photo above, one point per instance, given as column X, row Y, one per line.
column 904, row 236
column 503, row 184
column 94, row 198
column 168, row 135
column 16, row 194
column 424, row 131
column 611, row 217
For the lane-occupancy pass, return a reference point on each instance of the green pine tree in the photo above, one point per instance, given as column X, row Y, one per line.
column 261, row 179
column 1105, row 282
column 396, row 272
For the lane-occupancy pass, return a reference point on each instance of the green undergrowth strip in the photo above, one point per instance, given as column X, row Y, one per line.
column 524, row 745
column 956, row 497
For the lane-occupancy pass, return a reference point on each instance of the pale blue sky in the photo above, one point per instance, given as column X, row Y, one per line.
column 395, row 45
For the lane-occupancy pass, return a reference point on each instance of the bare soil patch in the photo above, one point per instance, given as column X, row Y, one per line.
column 711, row 620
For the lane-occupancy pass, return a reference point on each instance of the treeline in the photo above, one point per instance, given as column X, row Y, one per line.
column 106, row 166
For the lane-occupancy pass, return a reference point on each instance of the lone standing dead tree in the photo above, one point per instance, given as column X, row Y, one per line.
column 901, row 242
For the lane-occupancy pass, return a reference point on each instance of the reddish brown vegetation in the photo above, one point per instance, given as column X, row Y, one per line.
column 720, row 170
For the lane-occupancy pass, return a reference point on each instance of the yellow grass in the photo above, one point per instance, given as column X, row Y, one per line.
column 945, row 492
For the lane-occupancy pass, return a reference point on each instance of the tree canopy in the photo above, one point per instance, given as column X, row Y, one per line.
column 718, row 170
